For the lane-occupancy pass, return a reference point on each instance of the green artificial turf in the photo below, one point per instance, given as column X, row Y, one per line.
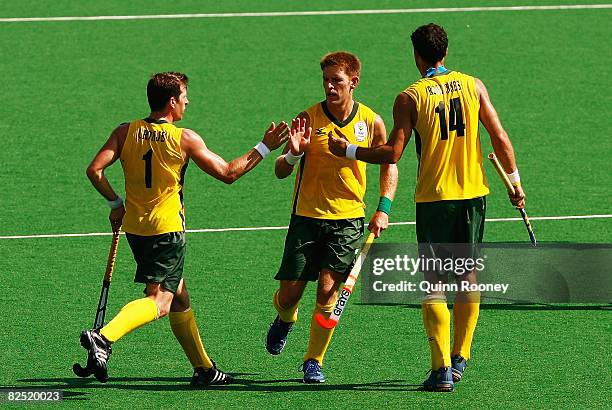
column 68, row 84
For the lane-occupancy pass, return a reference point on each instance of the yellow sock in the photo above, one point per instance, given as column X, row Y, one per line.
column 137, row 313
column 185, row 330
column 289, row 315
column 319, row 336
column 436, row 319
column 465, row 317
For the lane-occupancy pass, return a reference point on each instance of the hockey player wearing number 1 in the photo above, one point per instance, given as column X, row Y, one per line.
column 154, row 154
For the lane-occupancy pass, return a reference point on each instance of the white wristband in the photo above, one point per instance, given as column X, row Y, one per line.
column 262, row 149
column 514, row 177
column 117, row 203
column 292, row 159
column 351, row 151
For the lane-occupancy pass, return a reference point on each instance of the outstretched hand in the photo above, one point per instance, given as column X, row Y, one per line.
column 299, row 136
column 276, row 136
column 337, row 146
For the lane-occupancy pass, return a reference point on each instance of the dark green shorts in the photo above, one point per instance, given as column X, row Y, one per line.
column 159, row 258
column 314, row 244
column 456, row 221
column 450, row 222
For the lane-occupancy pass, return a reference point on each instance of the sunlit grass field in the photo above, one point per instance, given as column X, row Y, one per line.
column 67, row 84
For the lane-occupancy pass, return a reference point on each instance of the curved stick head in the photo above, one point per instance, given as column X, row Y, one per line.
column 82, row 371
column 325, row 323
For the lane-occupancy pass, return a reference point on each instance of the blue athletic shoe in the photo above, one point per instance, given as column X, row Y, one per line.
column 312, row 372
column 277, row 336
column 458, row 365
column 440, row 380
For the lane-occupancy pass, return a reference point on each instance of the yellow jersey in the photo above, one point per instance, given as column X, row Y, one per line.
column 448, row 138
column 326, row 186
column 154, row 170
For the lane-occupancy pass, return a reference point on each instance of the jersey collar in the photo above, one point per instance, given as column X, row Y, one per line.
column 431, row 71
column 337, row 121
column 158, row 121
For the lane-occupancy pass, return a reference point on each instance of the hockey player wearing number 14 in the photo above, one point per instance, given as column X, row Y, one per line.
column 444, row 108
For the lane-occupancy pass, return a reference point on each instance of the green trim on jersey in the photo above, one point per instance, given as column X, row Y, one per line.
column 337, row 121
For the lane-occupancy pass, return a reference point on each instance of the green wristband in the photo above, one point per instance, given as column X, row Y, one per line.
column 384, row 205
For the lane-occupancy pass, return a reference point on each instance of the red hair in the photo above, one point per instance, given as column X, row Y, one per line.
column 345, row 60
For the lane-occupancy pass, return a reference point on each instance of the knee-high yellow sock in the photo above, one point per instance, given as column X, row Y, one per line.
column 319, row 336
column 137, row 313
column 287, row 315
column 436, row 318
column 465, row 317
column 185, row 330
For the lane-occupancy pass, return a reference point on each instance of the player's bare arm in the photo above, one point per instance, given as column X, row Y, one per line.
column 404, row 118
column 107, row 155
column 388, row 181
column 299, row 139
column 194, row 147
column 502, row 146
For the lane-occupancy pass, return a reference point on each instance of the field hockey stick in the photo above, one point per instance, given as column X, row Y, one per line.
column 101, row 311
column 108, row 275
column 504, row 177
column 346, row 291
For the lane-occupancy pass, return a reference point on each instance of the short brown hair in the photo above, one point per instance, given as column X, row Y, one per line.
column 431, row 42
column 163, row 86
column 345, row 60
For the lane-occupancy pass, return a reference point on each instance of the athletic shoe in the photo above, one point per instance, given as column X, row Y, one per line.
column 312, row 372
column 440, row 380
column 98, row 352
column 277, row 336
column 209, row 377
column 458, row 365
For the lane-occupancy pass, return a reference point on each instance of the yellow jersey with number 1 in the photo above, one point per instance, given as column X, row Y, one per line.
column 154, row 170
column 447, row 138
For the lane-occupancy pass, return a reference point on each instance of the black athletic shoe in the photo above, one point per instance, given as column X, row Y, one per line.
column 209, row 377
column 277, row 336
column 98, row 352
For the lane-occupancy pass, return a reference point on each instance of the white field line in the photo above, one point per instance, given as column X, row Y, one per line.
column 280, row 228
column 307, row 13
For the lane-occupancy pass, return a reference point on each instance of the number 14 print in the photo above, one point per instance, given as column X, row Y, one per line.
column 455, row 115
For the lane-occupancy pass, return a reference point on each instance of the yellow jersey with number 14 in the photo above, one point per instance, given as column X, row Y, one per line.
column 154, row 170
column 447, row 138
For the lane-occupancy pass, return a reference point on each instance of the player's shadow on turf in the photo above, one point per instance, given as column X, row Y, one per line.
column 292, row 385
column 272, row 386
column 182, row 384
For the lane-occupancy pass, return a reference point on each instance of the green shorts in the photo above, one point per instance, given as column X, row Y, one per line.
column 450, row 222
column 314, row 244
column 456, row 221
column 159, row 258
